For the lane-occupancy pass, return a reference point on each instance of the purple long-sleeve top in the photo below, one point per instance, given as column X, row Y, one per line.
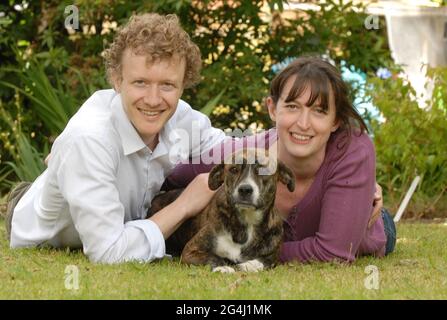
column 330, row 221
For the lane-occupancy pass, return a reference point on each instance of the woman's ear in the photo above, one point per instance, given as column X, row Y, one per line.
column 335, row 126
column 271, row 106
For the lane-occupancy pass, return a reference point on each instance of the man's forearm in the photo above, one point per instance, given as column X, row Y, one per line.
column 169, row 218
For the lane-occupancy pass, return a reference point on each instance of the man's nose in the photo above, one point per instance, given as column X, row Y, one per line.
column 152, row 96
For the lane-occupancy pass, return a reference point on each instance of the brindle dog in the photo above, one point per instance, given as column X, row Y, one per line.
column 240, row 228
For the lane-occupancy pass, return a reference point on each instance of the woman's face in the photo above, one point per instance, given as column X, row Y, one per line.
column 303, row 131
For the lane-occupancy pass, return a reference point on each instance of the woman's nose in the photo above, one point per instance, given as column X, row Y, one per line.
column 303, row 120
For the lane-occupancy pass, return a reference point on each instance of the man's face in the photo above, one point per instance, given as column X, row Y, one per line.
column 150, row 93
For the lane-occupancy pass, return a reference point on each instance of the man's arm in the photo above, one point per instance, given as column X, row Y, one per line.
column 87, row 180
column 192, row 200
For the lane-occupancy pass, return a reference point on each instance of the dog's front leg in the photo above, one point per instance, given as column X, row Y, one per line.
column 196, row 256
column 254, row 265
column 199, row 251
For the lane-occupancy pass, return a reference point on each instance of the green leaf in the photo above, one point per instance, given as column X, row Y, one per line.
column 209, row 107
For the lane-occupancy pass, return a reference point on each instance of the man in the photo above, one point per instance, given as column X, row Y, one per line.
column 116, row 151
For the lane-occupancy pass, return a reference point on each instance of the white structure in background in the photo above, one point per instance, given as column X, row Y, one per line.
column 417, row 36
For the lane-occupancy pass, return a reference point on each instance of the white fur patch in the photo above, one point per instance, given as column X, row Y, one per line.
column 251, row 266
column 252, row 182
column 224, row 269
column 226, row 248
column 249, row 180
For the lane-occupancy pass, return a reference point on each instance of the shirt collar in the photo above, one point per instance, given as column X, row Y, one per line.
column 131, row 140
column 167, row 137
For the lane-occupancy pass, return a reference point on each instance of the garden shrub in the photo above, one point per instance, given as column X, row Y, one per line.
column 240, row 42
column 412, row 141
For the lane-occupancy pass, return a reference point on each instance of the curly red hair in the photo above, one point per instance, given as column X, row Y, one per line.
column 158, row 37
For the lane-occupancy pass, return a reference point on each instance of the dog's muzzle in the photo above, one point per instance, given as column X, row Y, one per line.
column 244, row 196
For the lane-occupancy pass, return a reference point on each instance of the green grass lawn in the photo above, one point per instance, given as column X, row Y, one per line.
column 416, row 270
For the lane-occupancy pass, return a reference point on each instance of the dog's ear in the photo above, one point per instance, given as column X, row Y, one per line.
column 216, row 177
column 286, row 176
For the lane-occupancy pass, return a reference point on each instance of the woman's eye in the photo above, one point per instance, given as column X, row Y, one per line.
column 321, row 111
column 291, row 106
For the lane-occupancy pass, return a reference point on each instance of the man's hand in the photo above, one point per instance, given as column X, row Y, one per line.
column 378, row 204
column 192, row 201
column 196, row 196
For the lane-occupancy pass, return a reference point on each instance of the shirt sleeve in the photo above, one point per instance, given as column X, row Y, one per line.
column 87, row 179
column 205, row 142
column 345, row 211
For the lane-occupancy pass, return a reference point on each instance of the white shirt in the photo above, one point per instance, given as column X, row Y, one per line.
column 101, row 179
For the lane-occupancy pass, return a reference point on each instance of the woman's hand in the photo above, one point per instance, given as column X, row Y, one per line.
column 378, row 204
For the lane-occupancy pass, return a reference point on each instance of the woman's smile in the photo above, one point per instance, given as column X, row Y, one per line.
column 302, row 139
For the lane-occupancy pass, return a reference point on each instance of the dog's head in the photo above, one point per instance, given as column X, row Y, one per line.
column 249, row 177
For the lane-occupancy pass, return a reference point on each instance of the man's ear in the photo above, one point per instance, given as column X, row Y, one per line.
column 271, row 106
column 216, row 177
column 286, row 176
column 116, row 81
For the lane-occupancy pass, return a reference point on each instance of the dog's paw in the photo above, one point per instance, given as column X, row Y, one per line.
column 224, row 269
column 251, row 266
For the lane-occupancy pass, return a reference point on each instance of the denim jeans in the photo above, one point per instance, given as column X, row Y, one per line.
column 390, row 231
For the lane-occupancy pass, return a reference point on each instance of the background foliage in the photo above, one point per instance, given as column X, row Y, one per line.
column 47, row 71
column 412, row 142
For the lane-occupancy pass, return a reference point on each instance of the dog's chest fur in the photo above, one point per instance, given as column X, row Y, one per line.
column 227, row 248
column 237, row 234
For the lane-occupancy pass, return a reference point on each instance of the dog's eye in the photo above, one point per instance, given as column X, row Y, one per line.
column 234, row 170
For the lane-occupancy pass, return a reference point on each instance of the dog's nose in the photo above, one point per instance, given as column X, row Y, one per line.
column 245, row 190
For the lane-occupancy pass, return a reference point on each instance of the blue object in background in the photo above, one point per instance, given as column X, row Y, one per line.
column 357, row 79
column 383, row 73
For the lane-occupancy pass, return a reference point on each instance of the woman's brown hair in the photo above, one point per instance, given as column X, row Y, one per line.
column 323, row 79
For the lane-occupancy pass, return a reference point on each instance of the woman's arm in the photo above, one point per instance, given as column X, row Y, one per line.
column 346, row 207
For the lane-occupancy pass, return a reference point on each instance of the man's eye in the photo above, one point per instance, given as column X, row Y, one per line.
column 167, row 86
column 139, row 82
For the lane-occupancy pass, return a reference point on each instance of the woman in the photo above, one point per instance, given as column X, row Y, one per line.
column 322, row 138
